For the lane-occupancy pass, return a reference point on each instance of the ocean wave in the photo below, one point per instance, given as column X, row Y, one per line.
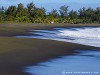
column 82, row 35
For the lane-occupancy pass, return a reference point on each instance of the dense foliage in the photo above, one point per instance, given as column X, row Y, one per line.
column 33, row 14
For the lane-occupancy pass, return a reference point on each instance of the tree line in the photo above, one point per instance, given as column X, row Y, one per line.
column 33, row 14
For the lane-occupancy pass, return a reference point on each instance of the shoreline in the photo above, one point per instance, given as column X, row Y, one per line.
column 17, row 53
column 26, row 52
column 18, row 29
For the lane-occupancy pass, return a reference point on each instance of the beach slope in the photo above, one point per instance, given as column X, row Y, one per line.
column 17, row 53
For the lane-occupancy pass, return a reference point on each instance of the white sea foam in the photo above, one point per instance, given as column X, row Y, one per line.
column 85, row 61
column 81, row 33
column 84, row 35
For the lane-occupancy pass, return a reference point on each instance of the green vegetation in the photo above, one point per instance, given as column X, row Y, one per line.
column 33, row 14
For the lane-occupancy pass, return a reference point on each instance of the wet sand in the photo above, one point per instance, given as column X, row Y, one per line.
column 24, row 28
column 17, row 53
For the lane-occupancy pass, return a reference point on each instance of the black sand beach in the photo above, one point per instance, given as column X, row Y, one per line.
column 17, row 53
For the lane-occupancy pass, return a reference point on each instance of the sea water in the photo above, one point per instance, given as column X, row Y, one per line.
column 86, row 62
column 83, row 35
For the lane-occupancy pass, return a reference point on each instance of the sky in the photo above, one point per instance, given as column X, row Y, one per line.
column 50, row 1
column 50, row 4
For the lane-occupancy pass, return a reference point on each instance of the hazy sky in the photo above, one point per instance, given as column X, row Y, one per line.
column 74, row 4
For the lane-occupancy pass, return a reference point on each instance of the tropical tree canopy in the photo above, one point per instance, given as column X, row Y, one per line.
column 33, row 14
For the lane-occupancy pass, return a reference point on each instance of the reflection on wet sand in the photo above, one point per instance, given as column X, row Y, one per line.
column 81, row 62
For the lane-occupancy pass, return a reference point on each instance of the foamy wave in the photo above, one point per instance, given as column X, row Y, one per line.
column 86, row 36
column 82, row 33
